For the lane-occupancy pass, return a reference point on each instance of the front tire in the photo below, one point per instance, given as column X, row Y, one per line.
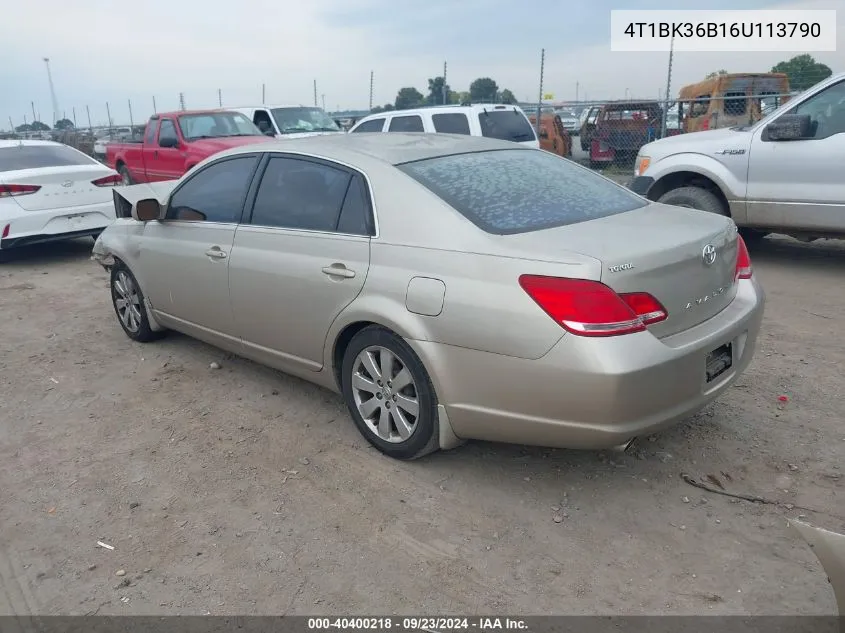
column 129, row 305
column 389, row 394
column 694, row 198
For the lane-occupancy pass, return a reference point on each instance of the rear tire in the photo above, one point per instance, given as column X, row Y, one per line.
column 124, row 174
column 389, row 394
column 694, row 198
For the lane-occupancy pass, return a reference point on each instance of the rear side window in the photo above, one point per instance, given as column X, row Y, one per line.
column 506, row 125
column 150, row 136
column 355, row 217
column 34, row 156
column 406, row 124
column 517, row 191
column 451, row 123
column 370, row 126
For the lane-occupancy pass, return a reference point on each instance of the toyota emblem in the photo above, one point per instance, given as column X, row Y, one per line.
column 708, row 255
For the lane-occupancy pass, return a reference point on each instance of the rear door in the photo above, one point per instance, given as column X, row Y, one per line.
column 299, row 258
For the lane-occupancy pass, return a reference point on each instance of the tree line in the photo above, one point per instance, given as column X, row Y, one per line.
column 802, row 71
column 482, row 90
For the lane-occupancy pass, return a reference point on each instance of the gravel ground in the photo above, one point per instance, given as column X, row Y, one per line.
column 239, row 490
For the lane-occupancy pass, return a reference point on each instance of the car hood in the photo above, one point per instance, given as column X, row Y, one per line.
column 698, row 143
column 214, row 145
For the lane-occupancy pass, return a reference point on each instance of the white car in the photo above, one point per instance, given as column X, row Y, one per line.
column 503, row 122
column 50, row 192
column 570, row 121
column 290, row 121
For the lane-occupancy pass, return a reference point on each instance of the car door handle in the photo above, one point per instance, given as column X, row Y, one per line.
column 216, row 253
column 338, row 270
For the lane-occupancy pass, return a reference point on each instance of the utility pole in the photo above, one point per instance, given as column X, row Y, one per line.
column 90, row 127
column 52, row 90
column 220, row 97
column 155, row 111
column 371, row 91
column 34, row 117
column 11, row 125
column 315, row 93
column 263, row 94
column 74, row 117
column 577, row 85
column 540, row 100
column 131, row 121
column 445, row 90
column 182, row 101
column 668, row 86
column 324, row 102
column 108, row 113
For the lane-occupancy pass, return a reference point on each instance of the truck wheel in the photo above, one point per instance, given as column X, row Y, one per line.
column 124, row 173
column 694, row 198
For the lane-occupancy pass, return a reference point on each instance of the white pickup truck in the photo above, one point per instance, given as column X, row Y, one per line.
column 784, row 174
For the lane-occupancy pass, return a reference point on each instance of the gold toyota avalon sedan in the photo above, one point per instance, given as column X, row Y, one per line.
column 449, row 287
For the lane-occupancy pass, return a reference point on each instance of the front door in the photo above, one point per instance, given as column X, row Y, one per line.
column 163, row 163
column 799, row 184
column 187, row 253
column 299, row 258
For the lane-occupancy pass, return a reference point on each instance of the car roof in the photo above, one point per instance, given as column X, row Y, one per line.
column 16, row 143
column 394, row 148
column 265, row 106
column 441, row 109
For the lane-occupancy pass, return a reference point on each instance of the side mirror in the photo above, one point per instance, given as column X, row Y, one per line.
column 146, row 210
column 168, row 141
column 790, row 127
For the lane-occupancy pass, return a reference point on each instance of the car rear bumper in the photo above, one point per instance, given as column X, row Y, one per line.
column 593, row 393
column 50, row 225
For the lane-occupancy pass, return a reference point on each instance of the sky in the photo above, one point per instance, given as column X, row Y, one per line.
column 102, row 54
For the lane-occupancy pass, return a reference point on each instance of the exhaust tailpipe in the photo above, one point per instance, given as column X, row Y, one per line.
column 622, row 448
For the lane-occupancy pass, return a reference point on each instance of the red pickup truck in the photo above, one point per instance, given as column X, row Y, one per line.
column 176, row 141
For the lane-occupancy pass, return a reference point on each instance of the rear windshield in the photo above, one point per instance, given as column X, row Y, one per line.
column 33, row 156
column 517, row 191
column 506, row 125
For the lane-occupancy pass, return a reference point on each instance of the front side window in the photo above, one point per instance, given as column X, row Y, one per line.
column 517, row 191
column 300, row 194
column 826, row 110
column 166, row 131
column 700, row 106
column 215, row 193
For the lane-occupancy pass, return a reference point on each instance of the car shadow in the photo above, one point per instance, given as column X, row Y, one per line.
column 49, row 253
column 828, row 255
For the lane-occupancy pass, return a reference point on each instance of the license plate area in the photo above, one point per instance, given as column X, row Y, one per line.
column 719, row 361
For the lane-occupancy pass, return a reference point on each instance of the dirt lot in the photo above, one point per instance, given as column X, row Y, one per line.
column 240, row 490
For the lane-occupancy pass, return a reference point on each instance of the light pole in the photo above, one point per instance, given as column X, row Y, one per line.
column 668, row 87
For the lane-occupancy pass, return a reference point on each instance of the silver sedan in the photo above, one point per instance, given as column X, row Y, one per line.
column 449, row 287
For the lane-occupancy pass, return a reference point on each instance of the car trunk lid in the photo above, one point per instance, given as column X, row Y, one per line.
column 658, row 249
column 65, row 186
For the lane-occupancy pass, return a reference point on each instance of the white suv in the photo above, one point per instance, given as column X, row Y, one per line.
column 504, row 122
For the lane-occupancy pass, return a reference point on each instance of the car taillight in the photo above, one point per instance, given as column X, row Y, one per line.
column 589, row 308
column 743, row 260
column 108, row 181
column 6, row 231
column 7, row 191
